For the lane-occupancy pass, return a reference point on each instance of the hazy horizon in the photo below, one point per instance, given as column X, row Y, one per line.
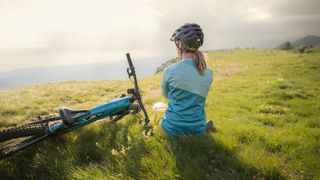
column 163, row 58
column 58, row 33
column 94, row 71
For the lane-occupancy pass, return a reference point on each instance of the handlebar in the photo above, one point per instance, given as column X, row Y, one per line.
column 131, row 72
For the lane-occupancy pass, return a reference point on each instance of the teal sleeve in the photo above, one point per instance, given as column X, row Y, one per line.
column 165, row 85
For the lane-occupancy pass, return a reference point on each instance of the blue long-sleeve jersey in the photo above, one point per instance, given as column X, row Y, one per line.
column 186, row 90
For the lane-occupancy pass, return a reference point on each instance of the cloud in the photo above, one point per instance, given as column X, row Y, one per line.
column 295, row 8
column 37, row 33
column 241, row 23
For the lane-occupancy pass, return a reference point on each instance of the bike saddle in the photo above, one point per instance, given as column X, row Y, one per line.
column 69, row 116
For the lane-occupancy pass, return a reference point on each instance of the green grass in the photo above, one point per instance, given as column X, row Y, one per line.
column 265, row 105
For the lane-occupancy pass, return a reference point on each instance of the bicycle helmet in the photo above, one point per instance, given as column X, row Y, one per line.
column 191, row 36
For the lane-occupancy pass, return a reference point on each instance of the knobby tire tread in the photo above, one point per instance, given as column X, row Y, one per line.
column 23, row 131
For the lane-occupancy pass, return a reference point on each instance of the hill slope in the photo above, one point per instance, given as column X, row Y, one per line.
column 265, row 105
column 307, row 40
column 310, row 40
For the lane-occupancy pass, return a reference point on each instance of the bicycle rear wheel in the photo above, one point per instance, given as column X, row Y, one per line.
column 23, row 131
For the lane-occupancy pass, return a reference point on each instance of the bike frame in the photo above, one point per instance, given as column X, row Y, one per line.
column 97, row 113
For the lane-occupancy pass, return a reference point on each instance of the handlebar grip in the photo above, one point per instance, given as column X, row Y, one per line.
column 129, row 59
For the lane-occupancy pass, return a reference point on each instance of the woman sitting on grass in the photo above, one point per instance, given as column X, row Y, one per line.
column 186, row 85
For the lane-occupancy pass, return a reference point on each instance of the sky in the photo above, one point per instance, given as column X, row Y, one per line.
column 38, row 33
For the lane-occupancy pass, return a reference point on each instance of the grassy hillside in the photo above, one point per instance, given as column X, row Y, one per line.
column 265, row 105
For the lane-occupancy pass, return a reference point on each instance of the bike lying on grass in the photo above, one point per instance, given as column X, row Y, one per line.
column 69, row 120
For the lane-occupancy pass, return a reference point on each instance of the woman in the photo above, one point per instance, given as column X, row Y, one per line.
column 186, row 85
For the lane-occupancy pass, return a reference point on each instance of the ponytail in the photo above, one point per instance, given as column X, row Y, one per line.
column 200, row 62
column 198, row 57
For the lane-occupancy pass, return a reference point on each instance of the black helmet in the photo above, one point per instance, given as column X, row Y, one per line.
column 190, row 35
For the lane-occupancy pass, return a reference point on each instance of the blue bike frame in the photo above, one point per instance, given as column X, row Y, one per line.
column 96, row 113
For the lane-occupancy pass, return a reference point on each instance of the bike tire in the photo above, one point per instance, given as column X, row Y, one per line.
column 23, row 131
column 19, row 144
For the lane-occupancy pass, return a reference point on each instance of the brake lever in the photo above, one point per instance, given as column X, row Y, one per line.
column 129, row 73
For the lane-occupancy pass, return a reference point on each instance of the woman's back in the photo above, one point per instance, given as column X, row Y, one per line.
column 186, row 90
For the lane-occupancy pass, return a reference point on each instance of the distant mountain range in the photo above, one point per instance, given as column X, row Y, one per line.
column 96, row 71
column 306, row 40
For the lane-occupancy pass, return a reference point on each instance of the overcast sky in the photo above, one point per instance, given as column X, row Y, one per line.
column 60, row 32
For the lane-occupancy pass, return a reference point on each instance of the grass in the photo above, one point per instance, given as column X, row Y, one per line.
column 265, row 105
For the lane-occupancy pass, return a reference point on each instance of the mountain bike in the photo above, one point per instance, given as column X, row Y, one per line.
column 20, row 137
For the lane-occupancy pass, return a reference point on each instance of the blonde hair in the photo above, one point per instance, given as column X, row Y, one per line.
column 200, row 61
